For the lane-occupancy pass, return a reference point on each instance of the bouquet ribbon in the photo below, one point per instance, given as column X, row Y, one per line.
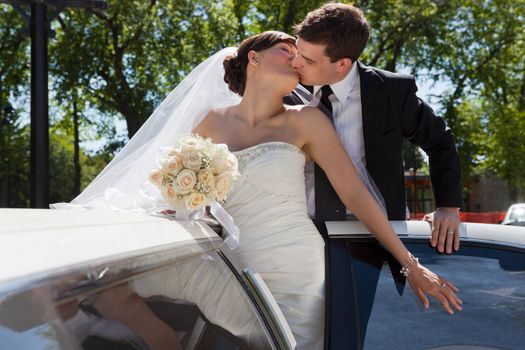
column 226, row 221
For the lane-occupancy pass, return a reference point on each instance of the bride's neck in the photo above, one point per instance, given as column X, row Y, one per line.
column 259, row 105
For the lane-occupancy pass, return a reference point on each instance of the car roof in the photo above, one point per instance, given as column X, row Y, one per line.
column 39, row 240
column 491, row 233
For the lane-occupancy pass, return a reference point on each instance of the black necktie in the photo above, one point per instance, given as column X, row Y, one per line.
column 325, row 92
column 328, row 206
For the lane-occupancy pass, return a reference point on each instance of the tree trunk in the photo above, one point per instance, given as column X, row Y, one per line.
column 289, row 16
column 132, row 118
column 392, row 63
column 4, row 191
column 521, row 104
column 76, row 188
column 239, row 13
column 4, row 185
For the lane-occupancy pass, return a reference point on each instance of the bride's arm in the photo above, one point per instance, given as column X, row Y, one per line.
column 322, row 144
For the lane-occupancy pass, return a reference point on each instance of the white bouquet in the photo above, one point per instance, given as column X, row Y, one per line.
column 194, row 173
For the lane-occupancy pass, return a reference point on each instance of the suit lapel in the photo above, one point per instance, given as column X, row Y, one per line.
column 374, row 106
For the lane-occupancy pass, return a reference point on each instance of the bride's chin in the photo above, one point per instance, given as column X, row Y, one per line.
column 292, row 80
column 288, row 82
column 294, row 83
column 289, row 89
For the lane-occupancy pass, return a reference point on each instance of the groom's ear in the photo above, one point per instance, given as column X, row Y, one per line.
column 344, row 65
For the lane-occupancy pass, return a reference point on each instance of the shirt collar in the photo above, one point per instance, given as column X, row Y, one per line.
column 344, row 87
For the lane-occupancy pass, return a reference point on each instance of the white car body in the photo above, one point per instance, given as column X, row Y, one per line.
column 38, row 242
column 49, row 247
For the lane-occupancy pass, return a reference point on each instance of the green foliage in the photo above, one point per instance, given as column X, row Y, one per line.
column 14, row 160
column 120, row 64
column 413, row 158
column 506, row 146
column 14, row 134
column 135, row 53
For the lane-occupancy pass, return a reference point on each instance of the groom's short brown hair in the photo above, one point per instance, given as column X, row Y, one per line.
column 342, row 28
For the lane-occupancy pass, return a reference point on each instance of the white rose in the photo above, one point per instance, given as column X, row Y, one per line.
column 195, row 200
column 155, row 177
column 172, row 152
column 233, row 162
column 223, row 185
column 185, row 181
column 221, row 147
column 206, row 177
column 192, row 160
column 172, row 164
column 220, row 164
column 192, row 145
column 170, row 195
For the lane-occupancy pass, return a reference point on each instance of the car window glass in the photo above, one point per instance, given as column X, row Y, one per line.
column 517, row 214
column 493, row 305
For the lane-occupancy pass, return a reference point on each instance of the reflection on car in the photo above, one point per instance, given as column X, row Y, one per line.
column 515, row 215
column 72, row 275
column 89, row 279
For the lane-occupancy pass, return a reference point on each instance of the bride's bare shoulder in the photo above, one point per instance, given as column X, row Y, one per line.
column 215, row 117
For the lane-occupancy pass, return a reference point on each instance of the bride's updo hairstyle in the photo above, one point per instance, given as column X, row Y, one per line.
column 235, row 65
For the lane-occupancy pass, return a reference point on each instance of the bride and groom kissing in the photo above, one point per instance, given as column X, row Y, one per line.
column 333, row 147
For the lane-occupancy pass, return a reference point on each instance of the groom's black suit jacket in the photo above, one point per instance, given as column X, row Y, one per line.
column 392, row 111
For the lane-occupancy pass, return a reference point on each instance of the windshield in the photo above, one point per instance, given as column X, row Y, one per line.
column 517, row 214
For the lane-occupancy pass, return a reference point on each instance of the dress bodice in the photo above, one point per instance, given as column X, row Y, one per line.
column 245, row 156
column 272, row 174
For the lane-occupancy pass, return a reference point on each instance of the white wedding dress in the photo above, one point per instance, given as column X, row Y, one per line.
column 277, row 237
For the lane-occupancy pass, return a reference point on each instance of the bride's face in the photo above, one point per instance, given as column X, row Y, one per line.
column 274, row 65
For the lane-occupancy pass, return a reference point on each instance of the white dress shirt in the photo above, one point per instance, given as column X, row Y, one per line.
column 348, row 120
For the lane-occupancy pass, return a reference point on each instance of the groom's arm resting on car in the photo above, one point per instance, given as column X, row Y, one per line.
column 422, row 127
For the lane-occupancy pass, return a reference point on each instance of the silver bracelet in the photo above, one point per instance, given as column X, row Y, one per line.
column 405, row 270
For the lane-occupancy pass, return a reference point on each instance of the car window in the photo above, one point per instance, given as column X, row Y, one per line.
column 517, row 214
column 196, row 303
column 491, row 281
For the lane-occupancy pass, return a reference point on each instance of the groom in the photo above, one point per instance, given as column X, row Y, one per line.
column 373, row 110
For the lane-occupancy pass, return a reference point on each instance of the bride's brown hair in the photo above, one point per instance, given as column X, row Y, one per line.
column 235, row 65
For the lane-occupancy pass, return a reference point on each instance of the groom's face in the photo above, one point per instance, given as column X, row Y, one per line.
column 313, row 65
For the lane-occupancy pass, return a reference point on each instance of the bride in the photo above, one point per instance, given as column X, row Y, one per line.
column 272, row 143
column 268, row 203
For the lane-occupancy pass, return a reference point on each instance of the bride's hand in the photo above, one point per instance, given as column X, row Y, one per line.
column 423, row 281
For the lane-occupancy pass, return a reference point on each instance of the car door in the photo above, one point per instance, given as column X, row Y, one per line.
column 373, row 308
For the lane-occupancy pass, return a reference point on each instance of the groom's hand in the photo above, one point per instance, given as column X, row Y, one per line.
column 445, row 229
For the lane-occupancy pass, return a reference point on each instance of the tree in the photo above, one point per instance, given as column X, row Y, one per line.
column 120, row 64
column 127, row 59
column 14, row 133
column 477, row 39
column 476, row 47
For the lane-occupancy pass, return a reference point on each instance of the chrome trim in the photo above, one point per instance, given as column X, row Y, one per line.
column 266, row 309
column 417, row 238
column 258, row 308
